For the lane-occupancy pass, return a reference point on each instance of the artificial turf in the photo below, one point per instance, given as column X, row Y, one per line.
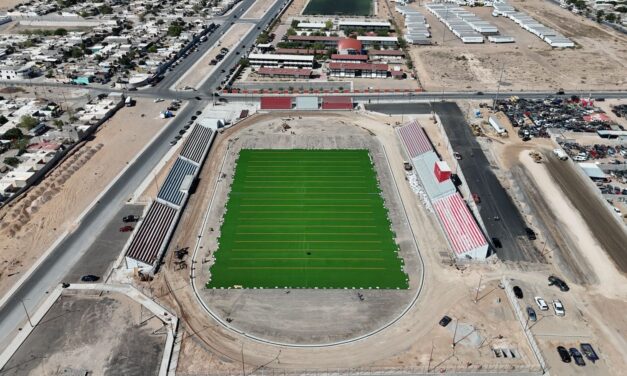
column 306, row 219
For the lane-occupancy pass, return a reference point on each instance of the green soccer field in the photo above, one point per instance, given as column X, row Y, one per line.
column 306, row 219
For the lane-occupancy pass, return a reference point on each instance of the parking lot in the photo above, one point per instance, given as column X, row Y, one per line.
column 569, row 330
column 106, row 247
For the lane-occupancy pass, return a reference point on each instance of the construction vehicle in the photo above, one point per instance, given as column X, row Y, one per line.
column 407, row 166
column 537, row 157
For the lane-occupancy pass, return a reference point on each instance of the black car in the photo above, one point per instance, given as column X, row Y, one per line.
column 531, row 235
column 532, row 314
column 480, row 93
column 456, row 180
column 589, row 352
column 130, row 218
column 198, row 98
column 198, row 112
column 90, row 278
column 553, row 280
column 194, row 117
column 445, row 321
column 518, row 292
column 497, row 243
column 577, row 356
column 564, row 354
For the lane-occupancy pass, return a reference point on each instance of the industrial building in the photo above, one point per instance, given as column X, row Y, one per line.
column 311, row 39
column 385, row 42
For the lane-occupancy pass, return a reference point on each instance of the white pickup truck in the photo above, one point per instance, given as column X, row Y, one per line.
column 561, row 154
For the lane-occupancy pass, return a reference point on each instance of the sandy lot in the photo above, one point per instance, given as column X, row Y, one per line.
column 528, row 64
column 258, row 9
column 199, row 72
column 32, row 224
column 295, row 9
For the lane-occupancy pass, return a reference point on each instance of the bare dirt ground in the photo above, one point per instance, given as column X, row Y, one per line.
column 528, row 64
column 199, row 72
column 93, row 334
column 31, row 224
column 295, row 9
column 258, row 9
column 209, row 348
column 7, row 4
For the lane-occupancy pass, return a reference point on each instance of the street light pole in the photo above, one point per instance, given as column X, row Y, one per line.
column 27, row 315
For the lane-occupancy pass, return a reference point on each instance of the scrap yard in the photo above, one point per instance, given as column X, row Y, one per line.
column 310, row 187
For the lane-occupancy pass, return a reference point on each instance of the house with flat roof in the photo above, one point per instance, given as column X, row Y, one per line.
column 365, row 70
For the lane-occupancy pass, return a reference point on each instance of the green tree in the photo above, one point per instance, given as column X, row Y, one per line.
column 3, row 120
column 600, row 15
column 105, row 9
column 60, row 31
column 58, row 123
column 263, row 38
column 294, row 24
column 402, row 43
column 328, row 25
column 11, row 161
column 382, row 33
column 13, row 134
column 152, row 49
column 174, row 30
column 610, row 17
column 291, row 31
column 28, row 122
column 244, row 62
column 49, row 73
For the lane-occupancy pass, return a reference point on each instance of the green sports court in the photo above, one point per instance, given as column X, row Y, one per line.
column 306, row 219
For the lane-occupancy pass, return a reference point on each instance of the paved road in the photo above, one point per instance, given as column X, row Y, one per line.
column 106, row 248
column 481, row 180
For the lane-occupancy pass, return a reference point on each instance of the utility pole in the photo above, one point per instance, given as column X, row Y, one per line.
column 478, row 287
column 243, row 364
column 27, row 315
column 430, row 358
column 455, row 334
column 498, row 87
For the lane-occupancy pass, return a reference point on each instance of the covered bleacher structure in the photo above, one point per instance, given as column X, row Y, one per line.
column 460, row 227
column 148, row 243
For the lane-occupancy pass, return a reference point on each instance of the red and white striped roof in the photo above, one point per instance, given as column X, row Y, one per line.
column 460, row 226
column 415, row 139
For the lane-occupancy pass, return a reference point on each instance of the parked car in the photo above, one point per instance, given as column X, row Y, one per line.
column 564, row 354
column 457, row 155
column 553, row 280
column 589, row 352
column 126, row 228
column 518, row 292
column 541, row 303
column 90, row 278
column 577, row 356
column 531, row 235
column 497, row 243
column 130, row 218
column 476, row 198
column 532, row 314
column 558, row 307
column 445, row 320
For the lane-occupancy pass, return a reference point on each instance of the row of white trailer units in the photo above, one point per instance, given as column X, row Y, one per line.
column 550, row 36
column 416, row 26
column 464, row 24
